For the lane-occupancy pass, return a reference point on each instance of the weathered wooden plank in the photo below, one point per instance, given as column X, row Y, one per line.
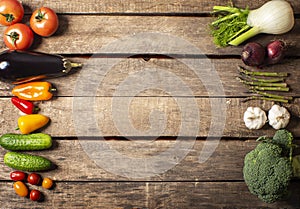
column 143, row 34
column 163, row 77
column 76, row 162
column 141, row 7
column 146, row 116
column 146, row 195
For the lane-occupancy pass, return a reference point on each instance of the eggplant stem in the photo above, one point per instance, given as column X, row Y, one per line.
column 75, row 64
column 68, row 65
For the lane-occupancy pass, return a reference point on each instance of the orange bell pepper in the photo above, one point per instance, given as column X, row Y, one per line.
column 34, row 91
column 30, row 123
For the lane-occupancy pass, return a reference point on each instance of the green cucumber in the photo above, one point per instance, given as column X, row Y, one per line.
column 27, row 162
column 26, row 142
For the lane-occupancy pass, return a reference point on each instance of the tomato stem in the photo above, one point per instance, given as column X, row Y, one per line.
column 9, row 17
column 40, row 16
column 14, row 37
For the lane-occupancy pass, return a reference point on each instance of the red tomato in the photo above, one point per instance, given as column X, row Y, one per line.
column 18, row 36
column 17, row 176
column 11, row 12
column 44, row 21
column 33, row 178
column 35, row 195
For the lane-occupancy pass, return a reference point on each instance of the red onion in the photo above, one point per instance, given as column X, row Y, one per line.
column 275, row 52
column 253, row 54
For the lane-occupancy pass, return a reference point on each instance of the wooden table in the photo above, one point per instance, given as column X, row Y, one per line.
column 134, row 135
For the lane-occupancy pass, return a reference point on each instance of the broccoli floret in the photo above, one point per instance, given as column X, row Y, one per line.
column 284, row 139
column 267, row 172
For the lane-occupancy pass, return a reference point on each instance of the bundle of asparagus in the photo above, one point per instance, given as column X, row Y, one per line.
column 262, row 83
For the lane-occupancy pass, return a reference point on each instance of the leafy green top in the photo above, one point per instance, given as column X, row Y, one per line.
column 230, row 23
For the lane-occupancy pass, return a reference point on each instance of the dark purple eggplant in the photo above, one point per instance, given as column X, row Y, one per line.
column 17, row 66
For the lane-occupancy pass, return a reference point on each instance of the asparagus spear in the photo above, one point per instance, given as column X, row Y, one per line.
column 263, row 80
column 267, row 88
column 266, row 98
column 267, row 74
column 265, row 94
column 257, row 83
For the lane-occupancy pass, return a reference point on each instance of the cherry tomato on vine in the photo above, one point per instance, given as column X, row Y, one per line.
column 33, row 178
column 11, row 12
column 18, row 36
column 44, row 21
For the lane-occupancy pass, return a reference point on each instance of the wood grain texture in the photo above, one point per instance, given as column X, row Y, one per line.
column 75, row 162
column 123, row 195
column 162, row 77
column 142, row 6
column 182, row 33
column 143, row 103
column 147, row 116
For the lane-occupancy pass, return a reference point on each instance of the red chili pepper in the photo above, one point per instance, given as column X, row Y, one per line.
column 25, row 106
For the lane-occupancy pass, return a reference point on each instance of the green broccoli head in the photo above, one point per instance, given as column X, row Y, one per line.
column 267, row 173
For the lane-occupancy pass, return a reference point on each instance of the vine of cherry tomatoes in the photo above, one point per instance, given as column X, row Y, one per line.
column 19, row 36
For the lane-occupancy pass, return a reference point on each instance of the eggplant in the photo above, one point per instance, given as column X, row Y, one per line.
column 20, row 66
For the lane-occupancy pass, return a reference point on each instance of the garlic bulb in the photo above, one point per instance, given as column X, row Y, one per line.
column 255, row 118
column 279, row 117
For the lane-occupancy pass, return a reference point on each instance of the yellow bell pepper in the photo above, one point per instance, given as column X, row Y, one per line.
column 30, row 123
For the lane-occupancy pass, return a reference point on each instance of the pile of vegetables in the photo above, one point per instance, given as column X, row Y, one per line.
column 234, row 25
column 16, row 64
column 270, row 167
column 28, row 140
column 25, row 70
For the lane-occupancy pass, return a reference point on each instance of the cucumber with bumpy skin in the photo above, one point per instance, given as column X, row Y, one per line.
column 27, row 162
column 26, row 142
